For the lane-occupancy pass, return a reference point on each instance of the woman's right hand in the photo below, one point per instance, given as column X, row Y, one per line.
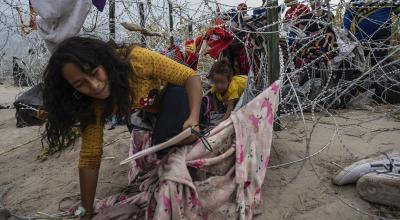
column 88, row 183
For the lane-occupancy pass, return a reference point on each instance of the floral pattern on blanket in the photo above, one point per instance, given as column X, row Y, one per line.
column 241, row 150
column 252, row 155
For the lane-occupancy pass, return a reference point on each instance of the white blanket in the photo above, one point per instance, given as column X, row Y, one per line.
column 60, row 19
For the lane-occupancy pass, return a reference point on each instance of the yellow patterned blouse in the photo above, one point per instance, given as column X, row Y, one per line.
column 151, row 72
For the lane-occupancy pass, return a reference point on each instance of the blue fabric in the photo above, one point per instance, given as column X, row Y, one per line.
column 99, row 4
column 259, row 12
column 380, row 20
column 291, row 37
column 236, row 18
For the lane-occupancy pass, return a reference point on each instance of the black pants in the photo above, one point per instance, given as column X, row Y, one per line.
column 173, row 112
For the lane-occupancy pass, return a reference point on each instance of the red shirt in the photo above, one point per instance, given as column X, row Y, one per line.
column 294, row 12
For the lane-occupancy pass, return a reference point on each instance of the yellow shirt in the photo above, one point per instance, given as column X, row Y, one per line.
column 235, row 89
column 151, row 72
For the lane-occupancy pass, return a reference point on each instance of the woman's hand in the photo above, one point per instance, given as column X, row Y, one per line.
column 191, row 122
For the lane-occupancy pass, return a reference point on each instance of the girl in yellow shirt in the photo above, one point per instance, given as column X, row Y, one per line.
column 226, row 88
column 85, row 81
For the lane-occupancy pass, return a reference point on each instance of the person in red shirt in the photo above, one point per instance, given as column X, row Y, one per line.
column 295, row 10
column 292, row 19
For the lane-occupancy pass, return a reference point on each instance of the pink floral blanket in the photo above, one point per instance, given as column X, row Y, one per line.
column 194, row 183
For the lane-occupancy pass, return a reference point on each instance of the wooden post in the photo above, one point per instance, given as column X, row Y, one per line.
column 142, row 22
column 273, row 44
column 190, row 29
column 171, row 23
column 111, row 19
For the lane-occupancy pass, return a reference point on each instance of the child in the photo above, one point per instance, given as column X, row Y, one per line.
column 226, row 88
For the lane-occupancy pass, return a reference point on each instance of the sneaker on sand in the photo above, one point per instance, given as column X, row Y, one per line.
column 381, row 163
column 380, row 188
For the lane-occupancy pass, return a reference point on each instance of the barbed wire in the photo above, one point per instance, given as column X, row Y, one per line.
column 319, row 71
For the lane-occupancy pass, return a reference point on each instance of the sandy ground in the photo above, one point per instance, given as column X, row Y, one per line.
column 297, row 191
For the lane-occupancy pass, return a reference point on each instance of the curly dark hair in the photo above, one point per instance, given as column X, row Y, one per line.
column 222, row 67
column 64, row 107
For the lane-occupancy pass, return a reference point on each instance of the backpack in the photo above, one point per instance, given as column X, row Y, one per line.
column 28, row 107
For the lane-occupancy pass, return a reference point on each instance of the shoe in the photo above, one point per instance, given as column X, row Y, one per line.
column 381, row 163
column 380, row 188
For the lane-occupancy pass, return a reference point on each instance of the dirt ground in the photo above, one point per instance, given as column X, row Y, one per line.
column 301, row 190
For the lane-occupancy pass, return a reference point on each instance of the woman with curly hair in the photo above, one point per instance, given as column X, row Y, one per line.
column 86, row 81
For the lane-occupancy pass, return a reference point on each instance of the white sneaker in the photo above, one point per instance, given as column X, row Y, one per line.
column 381, row 188
column 381, row 163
